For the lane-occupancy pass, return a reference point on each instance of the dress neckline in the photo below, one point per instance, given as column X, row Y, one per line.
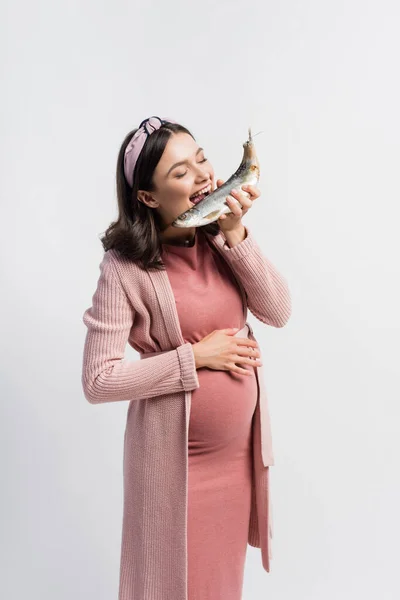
column 183, row 247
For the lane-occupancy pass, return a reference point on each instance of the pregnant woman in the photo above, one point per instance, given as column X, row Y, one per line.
column 178, row 299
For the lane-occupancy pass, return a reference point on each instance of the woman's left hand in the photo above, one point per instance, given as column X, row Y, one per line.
column 233, row 220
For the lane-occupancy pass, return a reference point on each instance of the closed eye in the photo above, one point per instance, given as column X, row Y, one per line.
column 183, row 174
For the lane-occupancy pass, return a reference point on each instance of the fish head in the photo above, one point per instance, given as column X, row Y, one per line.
column 190, row 218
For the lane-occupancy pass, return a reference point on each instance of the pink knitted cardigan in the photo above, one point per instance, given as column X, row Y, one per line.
column 137, row 306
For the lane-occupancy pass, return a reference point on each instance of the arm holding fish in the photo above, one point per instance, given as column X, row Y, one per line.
column 106, row 376
column 267, row 291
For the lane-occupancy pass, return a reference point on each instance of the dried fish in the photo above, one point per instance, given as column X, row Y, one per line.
column 214, row 205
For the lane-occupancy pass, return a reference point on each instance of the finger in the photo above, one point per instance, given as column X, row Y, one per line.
column 233, row 205
column 219, row 182
column 235, row 210
column 236, row 369
column 252, row 190
column 247, row 342
column 242, row 197
column 248, row 351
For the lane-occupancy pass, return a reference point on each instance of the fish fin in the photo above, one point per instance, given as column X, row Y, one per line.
column 211, row 214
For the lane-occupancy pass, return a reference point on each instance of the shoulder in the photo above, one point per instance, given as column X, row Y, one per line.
column 119, row 263
column 130, row 277
column 114, row 267
column 114, row 257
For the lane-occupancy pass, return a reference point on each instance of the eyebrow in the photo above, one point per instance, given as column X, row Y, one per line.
column 182, row 162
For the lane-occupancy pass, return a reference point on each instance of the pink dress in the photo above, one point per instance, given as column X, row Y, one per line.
column 219, row 454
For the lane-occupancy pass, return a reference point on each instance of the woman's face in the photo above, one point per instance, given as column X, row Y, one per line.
column 174, row 183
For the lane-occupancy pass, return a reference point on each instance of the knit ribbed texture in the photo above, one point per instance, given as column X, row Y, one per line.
column 266, row 290
column 135, row 306
column 106, row 377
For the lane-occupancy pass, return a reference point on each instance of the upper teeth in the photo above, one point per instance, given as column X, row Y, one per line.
column 203, row 191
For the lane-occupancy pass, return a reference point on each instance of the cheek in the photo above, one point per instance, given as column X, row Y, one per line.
column 184, row 188
column 179, row 189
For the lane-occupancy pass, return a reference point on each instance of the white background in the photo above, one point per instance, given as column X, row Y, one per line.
column 321, row 80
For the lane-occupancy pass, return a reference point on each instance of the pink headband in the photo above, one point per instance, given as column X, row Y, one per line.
column 134, row 148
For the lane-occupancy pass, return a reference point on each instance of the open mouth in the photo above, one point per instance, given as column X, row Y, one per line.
column 198, row 197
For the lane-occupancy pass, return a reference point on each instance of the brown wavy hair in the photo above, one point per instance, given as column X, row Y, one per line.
column 136, row 232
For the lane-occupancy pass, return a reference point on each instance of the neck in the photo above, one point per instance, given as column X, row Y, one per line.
column 178, row 239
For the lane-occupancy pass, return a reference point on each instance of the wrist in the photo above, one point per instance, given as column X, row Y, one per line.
column 197, row 359
column 235, row 236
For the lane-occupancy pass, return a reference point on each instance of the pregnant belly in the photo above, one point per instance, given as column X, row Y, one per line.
column 222, row 408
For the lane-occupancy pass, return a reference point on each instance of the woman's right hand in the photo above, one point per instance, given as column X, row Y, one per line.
column 220, row 350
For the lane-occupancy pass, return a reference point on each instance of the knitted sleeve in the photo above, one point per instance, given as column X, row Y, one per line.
column 106, row 375
column 267, row 291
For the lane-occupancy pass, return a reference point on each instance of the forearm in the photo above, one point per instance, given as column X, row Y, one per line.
column 267, row 291
column 106, row 375
column 115, row 380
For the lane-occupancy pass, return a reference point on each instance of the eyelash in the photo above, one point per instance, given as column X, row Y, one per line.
column 183, row 174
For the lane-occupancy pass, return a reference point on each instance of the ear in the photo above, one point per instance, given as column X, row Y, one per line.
column 145, row 197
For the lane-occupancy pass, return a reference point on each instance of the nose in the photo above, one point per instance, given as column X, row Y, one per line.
column 203, row 172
